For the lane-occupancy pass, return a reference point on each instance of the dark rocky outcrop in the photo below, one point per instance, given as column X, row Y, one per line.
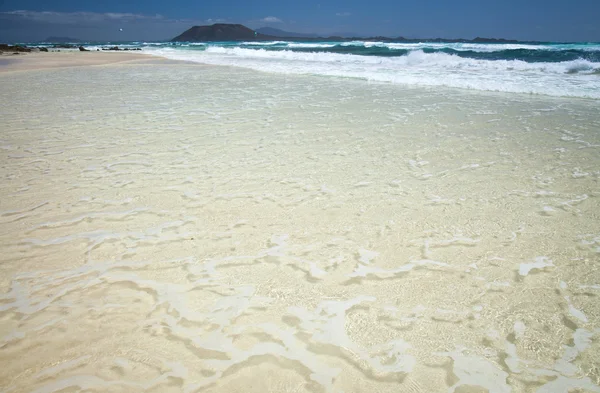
column 115, row 48
column 221, row 32
column 14, row 48
column 82, row 49
column 43, row 49
column 494, row 40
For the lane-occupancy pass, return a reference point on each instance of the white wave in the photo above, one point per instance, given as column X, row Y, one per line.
column 463, row 46
column 442, row 45
column 310, row 45
column 475, row 47
column 245, row 53
column 413, row 59
column 263, row 43
column 194, row 44
column 103, row 46
column 353, row 43
column 370, row 44
column 576, row 78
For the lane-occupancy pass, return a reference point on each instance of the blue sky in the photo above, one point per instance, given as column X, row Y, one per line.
column 550, row 20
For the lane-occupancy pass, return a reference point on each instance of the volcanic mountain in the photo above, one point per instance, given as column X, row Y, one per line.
column 221, row 32
column 236, row 32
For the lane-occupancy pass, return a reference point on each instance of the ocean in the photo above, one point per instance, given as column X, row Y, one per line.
column 275, row 217
column 557, row 69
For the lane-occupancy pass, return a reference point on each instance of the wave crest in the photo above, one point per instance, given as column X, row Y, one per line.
column 576, row 78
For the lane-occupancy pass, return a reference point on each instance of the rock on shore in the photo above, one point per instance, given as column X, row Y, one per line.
column 14, row 48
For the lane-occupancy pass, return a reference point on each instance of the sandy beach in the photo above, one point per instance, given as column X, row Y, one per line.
column 42, row 60
column 173, row 227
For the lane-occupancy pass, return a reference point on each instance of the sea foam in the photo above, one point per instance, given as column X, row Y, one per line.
column 575, row 78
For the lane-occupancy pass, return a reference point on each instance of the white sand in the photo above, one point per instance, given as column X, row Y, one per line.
column 172, row 227
column 44, row 60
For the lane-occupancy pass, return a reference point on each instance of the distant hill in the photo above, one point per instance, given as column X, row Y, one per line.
column 221, row 32
column 60, row 40
column 231, row 32
column 281, row 33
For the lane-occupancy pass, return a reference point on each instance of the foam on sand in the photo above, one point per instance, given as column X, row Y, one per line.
column 574, row 78
column 172, row 227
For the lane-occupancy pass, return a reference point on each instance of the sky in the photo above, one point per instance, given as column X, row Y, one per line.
column 158, row 20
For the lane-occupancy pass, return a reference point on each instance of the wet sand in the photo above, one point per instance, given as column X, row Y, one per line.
column 171, row 227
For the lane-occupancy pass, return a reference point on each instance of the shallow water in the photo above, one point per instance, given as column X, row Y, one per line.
column 562, row 70
column 176, row 227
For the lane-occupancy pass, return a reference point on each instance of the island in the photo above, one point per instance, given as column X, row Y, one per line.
column 236, row 32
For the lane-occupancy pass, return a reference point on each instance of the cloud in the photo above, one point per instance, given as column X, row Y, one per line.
column 271, row 19
column 23, row 25
column 217, row 20
column 78, row 17
column 343, row 14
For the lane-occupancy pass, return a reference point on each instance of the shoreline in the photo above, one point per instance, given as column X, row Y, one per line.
column 36, row 61
column 43, row 60
column 164, row 222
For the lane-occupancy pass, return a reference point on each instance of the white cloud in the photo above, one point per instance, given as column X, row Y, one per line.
column 343, row 14
column 23, row 25
column 79, row 17
column 218, row 20
column 271, row 19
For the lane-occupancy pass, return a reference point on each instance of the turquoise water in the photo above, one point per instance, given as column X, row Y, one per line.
column 526, row 52
column 529, row 52
column 556, row 69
